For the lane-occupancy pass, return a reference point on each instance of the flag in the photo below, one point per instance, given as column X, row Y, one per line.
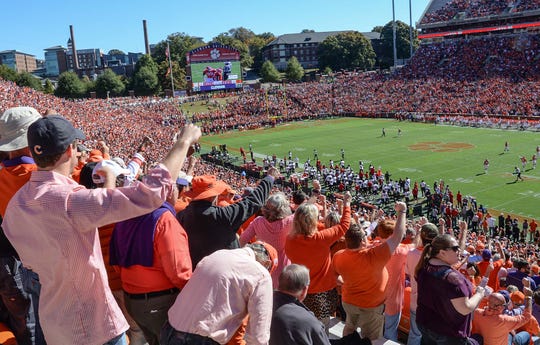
column 167, row 51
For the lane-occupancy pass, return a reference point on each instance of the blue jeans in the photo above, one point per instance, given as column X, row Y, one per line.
column 391, row 324
column 415, row 336
column 521, row 338
column 19, row 293
column 119, row 340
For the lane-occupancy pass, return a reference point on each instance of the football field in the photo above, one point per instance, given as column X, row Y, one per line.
column 422, row 151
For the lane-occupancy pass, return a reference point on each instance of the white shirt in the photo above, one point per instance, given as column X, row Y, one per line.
column 225, row 287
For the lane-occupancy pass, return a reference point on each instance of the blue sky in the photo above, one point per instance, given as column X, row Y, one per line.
column 31, row 26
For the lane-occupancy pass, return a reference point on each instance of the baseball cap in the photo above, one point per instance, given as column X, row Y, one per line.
column 269, row 250
column 51, row 135
column 486, row 254
column 14, row 124
column 115, row 167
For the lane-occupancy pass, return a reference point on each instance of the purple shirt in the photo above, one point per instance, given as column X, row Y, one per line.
column 52, row 222
column 437, row 286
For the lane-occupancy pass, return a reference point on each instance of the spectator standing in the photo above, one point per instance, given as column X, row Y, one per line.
column 364, row 275
column 428, row 232
column 445, row 297
column 204, row 314
column 52, row 221
column 212, row 228
column 19, row 285
column 311, row 247
column 272, row 227
column 152, row 254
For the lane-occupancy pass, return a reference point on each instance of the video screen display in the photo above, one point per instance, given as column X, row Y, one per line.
column 219, row 75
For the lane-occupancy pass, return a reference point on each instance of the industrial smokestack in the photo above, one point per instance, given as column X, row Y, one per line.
column 74, row 49
column 146, row 43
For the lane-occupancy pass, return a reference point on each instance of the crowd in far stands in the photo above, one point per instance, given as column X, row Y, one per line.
column 476, row 9
column 168, row 238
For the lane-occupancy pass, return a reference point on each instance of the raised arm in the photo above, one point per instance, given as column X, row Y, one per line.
column 399, row 230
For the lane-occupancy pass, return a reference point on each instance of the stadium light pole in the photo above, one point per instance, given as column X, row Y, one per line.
column 394, row 33
column 410, row 31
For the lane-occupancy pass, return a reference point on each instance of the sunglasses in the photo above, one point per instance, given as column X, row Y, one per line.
column 454, row 248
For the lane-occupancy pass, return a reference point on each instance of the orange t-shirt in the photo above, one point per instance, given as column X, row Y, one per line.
column 314, row 253
column 105, row 233
column 172, row 263
column 493, row 281
column 364, row 275
column 12, row 178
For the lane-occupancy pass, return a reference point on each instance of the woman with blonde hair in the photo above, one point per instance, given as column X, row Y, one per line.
column 272, row 227
column 311, row 248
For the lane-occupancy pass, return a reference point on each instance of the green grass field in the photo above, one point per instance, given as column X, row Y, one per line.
column 423, row 151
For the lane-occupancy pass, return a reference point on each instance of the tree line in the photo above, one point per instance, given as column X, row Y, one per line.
column 346, row 51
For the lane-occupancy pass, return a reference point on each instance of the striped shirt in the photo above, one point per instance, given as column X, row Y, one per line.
column 52, row 223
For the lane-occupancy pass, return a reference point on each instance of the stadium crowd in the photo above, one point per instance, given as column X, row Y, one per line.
column 171, row 269
column 476, row 9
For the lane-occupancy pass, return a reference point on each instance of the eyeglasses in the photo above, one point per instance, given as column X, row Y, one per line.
column 495, row 306
column 454, row 248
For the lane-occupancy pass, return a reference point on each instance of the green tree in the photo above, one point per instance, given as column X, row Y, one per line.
column 116, row 52
column 49, row 87
column 348, row 50
column 305, row 31
column 269, row 73
column 402, row 43
column 145, row 77
column 109, row 81
column 294, row 71
column 179, row 76
column 145, row 82
column 70, row 86
column 378, row 29
column 242, row 34
column 26, row 79
column 7, row 73
column 89, row 84
column 180, row 44
column 256, row 46
column 226, row 39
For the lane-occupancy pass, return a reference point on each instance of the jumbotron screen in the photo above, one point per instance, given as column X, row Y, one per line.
column 215, row 67
column 209, row 76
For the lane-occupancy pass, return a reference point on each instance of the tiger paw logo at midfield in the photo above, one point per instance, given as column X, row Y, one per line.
column 437, row 146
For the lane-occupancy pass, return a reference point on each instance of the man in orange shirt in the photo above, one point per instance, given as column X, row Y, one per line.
column 152, row 253
column 363, row 273
column 19, row 286
column 495, row 326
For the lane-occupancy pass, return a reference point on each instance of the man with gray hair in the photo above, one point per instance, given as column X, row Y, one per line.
column 292, row 322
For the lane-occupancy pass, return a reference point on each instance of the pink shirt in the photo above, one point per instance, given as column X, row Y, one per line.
column 396, row 280
column 413, row 257
column 275, row 233
column 225, row 287
column 52, row 223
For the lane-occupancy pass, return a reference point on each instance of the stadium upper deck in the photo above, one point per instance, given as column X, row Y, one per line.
column 457, row 12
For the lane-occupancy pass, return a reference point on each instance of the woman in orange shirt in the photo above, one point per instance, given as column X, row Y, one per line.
column 311, row 248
